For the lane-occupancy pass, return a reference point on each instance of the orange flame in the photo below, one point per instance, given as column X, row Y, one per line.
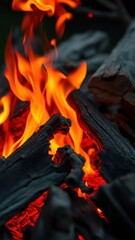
column 34, row 79
column 5, row 103
column 45, row 7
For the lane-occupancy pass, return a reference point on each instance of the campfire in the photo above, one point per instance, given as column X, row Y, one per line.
column 67, row 165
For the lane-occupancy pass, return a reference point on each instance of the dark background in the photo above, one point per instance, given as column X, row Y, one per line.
column 80, row 23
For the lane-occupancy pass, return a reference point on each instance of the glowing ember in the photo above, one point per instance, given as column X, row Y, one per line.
column 34, row 80
column 90, row 15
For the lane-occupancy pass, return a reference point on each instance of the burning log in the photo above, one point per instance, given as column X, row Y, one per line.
column 116, row 153
column 114, row 81
column 87, row 221
column 74, row 162
column 56, row 219
column 117, row 200
column 29, row 171
column 65, row 214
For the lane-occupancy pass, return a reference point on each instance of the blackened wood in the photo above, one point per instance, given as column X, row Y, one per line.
column 65, row 215
column 56, row 220
column 117, row 200
column 128, row 104
column 5, row 234
column 116, row 76
column 28, row 171
column 74, row 161
column 87, row 221
column 116, row 153
column 90, row 46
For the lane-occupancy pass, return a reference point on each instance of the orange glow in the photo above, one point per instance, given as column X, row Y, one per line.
column 33, row 79
column 33, row 5
column 5, row 107
column 44, row 7
column 60, row 24
column 101, row 214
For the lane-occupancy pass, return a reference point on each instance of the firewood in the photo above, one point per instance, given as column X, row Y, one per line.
column 117, row 201
column 5, row 234
column 116, row 153
column 56, row 220
column 75, row 162
column 89, row 46
column 29, row 170
column 114, row 81
column 65, row 213
column 87, row 221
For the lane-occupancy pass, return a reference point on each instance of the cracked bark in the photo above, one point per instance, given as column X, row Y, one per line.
column 114, row 81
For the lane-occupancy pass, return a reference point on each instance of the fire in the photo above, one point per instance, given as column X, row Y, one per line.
column 42, row 5
column 33, row 79
column 45, row 7
column 5, row 107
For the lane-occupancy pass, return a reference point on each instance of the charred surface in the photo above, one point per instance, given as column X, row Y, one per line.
column 114, row 81
column 56, row 220
column 28, row 171
column 117, row 200
column 116, row 153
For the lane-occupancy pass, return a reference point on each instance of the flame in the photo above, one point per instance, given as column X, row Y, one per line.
column 33, row 79
column 44, row 7
column 5, row 103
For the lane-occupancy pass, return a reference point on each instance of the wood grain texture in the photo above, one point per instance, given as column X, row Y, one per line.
column 116, row 77
column 29, row 171
column 115, row 151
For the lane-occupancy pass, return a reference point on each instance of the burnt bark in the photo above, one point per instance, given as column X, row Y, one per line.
column 65, row 216
column 29, row 171
column 56, row 219
column 117, row 200
column 114, row 81
column 116, row 153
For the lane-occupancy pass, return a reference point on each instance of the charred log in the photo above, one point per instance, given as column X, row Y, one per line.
column 65, row 216
column 28, row 171
column 117, row 200
column 116, row 153
column 75, row 162
column 56, row 220
column 114, row 81
column 87, row 221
